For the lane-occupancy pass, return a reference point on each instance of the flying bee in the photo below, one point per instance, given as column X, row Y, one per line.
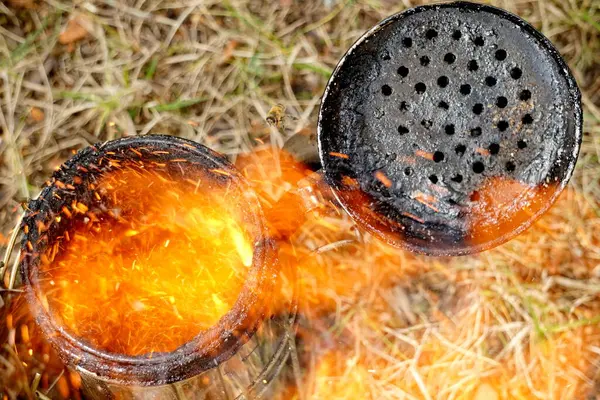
column 276, row 116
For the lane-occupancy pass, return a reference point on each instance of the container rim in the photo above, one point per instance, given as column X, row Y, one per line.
column 210, row 347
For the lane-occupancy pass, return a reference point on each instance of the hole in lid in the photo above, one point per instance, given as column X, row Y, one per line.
column 465, row 89
column 501, row 102
column 402, row 130
column 408, row 171
column 452, row 202
column 431, row 33
column 449, row 129
column 443, row 81
column 516, row 73
column 457, row 178
column 479, row 41
column 456, row 35
column 472, row 65
column 449, row 58
column 490, row 81
column 407, row 42
column 386, row 90
column 525, row 95
column 420, row 88
column 521, row 144
column 502, row 126
column 438, row 156
column 510, row 166
column 478, row 167
column 478, row 108
column 444, row 105
column 424, row 61
column 426, row 123
column 404, row 106
column 460, row 149
column 494, row 148
column 433, row 179
column 500, row 54
column 475, row 196
column 527, row 119
column 476, row 132
column 403, row 71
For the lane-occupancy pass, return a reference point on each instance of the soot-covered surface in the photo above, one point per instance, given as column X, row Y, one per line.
column 435, row 104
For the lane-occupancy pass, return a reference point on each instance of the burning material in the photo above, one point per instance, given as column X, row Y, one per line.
column 275, row 176
column 148, row 251
column 158, row 261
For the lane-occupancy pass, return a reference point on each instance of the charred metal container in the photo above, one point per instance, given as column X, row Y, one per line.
column 239, row 356
column 449, row 129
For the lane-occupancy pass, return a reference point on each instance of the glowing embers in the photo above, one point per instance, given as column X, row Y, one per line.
column 147, row 261
column 153, row 262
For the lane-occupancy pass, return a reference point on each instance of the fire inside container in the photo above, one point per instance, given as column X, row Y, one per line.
column 146, row 262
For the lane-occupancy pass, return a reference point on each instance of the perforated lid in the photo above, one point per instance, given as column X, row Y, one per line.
column 449, row 129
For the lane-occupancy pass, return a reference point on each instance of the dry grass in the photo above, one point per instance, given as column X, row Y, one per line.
column 521, row 321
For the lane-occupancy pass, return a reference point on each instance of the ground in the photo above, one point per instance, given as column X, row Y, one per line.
column 520, row 321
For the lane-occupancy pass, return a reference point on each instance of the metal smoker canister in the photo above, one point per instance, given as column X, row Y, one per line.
column 238, row 356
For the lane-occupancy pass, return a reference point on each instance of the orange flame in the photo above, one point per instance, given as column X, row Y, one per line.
column 166, row 262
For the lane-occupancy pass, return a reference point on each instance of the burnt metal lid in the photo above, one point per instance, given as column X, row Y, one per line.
column 448, row 129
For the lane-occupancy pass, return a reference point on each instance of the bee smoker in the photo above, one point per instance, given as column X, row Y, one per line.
column 444, row 130
column 238, row 356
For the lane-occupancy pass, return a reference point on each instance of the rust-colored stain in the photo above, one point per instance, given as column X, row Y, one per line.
column 501, row 205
